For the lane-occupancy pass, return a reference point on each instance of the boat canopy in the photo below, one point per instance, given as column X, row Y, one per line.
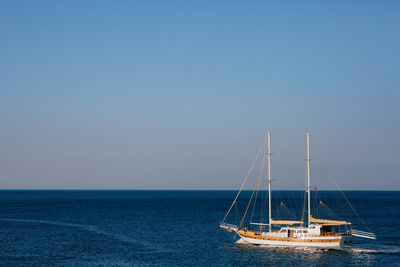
column 327, row 222
column 284, row 222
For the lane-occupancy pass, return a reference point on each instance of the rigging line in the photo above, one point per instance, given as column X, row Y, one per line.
column 292, row 200
column 261, row 207
column 277, row 207
column 254, row 205
column 304, row 198
column 341, row 191
column 304, row 206
column 315, row 202
column 236, row 215
column 288, row 210
column 351, row 206
column 264, row 205
column 248, row 174
column 262, row 215
column 265, row 194
column 258, row 181
column 331, row 211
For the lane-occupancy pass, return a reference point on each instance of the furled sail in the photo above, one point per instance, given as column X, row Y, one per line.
column 284, row 222
column 332, row 222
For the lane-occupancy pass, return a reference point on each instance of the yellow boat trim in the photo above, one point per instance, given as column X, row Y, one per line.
column 285, row 222
column 253, row 235
column 331, row 222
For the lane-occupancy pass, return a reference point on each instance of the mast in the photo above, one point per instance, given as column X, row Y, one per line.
column 308, row 175
column 269, row 180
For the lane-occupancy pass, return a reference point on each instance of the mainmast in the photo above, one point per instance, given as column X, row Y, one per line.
column 308, row 176
column 269, row 179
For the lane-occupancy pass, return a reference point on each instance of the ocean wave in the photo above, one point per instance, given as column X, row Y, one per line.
column 379, row 249
column 85, row 227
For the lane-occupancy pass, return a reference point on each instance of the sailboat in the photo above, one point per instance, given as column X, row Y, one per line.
column 314, row 232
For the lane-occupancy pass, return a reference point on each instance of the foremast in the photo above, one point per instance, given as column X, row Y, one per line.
column 269, row 180
column 308, row 179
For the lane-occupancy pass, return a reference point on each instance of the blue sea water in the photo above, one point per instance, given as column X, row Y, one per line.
column 171, row 228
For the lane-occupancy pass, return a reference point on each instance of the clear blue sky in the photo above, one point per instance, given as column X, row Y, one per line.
column 179, row 94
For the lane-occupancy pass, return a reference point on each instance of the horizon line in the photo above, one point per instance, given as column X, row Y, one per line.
column 91, row 189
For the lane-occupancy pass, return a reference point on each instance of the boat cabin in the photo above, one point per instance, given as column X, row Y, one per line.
column 313, row 230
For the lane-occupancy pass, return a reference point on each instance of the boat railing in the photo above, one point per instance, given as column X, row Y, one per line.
column 273, row 234
column 327, row 234
column 363, row 234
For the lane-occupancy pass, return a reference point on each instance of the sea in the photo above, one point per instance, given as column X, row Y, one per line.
column 173, row 228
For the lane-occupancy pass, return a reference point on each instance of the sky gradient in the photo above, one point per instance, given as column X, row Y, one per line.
column 179, row 94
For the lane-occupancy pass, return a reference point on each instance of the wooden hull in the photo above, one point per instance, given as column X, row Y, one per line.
column 319, row 242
